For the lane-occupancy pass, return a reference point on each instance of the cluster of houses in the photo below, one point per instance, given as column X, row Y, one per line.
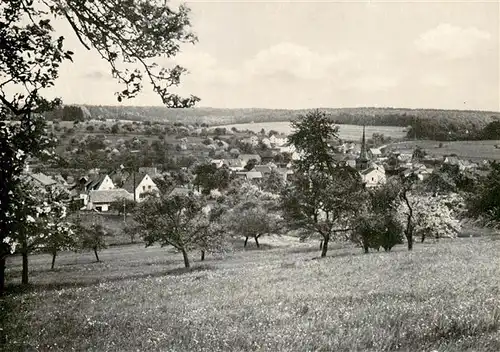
column 96, row 191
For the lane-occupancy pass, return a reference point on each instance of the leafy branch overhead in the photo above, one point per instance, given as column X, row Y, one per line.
column 130, row 35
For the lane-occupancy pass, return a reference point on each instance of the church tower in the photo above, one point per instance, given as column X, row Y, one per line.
column 362, row 161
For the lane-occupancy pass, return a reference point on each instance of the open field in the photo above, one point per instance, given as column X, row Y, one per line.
column 443, row 296
column 346, row 132
column 472, row 150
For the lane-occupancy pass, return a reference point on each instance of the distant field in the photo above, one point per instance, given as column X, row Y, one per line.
column 442, row 296
column 346, row 132
column 473, row 150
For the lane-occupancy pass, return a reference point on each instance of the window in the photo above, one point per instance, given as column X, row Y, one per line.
column 149, row 187
column 143, row 188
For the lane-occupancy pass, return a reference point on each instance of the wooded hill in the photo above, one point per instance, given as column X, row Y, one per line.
column 426, row 123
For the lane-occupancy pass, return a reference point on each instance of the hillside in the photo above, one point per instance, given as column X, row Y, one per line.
column 217, row 116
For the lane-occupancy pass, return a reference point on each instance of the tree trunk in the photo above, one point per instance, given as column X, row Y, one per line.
column 257, row 241
column 96, row 255
column 54, row 254
column 24, row 278
column 365, row 246
column 409, row 238
column 423, row 238
column 202, row 255
column 321, row 245
column 186, row 259
column 246, row 240
column 325, row 246
column 2, row 275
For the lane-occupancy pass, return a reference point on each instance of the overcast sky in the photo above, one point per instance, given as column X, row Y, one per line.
column 312, row 54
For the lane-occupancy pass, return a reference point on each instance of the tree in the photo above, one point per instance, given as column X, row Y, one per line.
column 250, row 164
column 273, row 182
column 435, row 215
column 314, row 135
column 253, row 212
column 378, row 224
column 128, row 35
column 123, row 206
column 317, row 202
column 209, row 177
column 483, row 201
column 93, row 238
column 179, row 221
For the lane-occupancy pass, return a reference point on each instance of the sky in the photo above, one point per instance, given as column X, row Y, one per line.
column 313, row 54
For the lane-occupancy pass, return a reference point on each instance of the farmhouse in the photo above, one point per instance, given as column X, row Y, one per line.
column 139, row 185
column 101, row 200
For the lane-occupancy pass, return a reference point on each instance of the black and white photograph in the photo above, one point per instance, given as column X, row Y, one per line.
column 250, row 175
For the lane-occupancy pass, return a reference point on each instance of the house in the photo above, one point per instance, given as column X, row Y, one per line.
column 267, row 156
column 139, row 185
column 245, row 158
column 152, row 171
column 217, row 162
column 265, row 170
column 249, row 176
column 286, row 173
column 252, row 140
column 277, row 141
column 99, row 183
column 42, row 180
column 375, row 153
column 373, row 177
column 101, row 200
column 233, row 164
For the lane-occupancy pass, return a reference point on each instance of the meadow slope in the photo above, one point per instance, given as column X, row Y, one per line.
column 442, row 296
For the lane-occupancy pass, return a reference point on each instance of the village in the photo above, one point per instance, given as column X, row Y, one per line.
column 97, row 189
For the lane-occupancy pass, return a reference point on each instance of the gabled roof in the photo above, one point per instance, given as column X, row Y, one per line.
column 253, row 175
column 43, row 179
column 94, row 182
column 367, row 171
column 232, row 162
column 109, row 196
column 129, row 182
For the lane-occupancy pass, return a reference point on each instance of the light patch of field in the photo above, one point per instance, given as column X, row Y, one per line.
column 472, row 150
column 346, row 132
column 443, row 296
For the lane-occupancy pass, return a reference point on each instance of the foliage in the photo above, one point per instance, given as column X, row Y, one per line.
column 483, row 202
column 274, row 182
column 122, row 206
column 92, row 237
column 433, row 215
column 324, row 204
column 313, row 135
column 179, row 221
column 378, row 224
column 209, row 177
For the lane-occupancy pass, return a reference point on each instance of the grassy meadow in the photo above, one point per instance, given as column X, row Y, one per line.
column 471, row 150
column 443, row 296
column 346, row 132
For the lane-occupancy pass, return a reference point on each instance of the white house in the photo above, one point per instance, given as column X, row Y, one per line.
column 277, row 141
column 372, row 177
column 143, row 183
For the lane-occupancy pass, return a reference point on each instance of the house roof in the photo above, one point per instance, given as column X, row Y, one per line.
column 253, row 175
column 43, row 179
column 109, row 196
column 262, row 168
column 129, row 182
column 232, row 162
column 94, row 182
column 248, row 157
column 369, row 170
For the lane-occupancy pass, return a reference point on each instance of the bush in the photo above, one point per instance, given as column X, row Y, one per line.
column 90, row 128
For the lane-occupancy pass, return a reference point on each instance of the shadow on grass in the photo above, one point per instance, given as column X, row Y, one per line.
column 16, row 289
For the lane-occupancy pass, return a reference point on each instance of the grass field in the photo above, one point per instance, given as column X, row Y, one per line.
column 471, row 150
column 443, row 296
column 346, row 132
